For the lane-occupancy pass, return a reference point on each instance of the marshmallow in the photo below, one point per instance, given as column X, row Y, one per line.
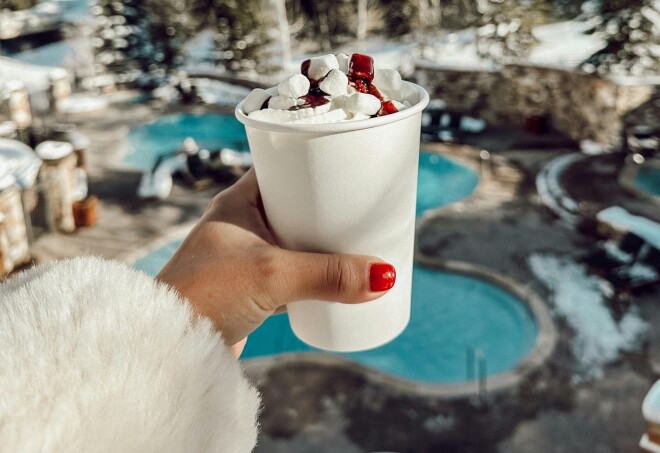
column 255, row 100
column 281, row 116
column 294, row 87
column 335, row 83
column 343, row 59
column 360, row 116
column 320, row 66
column 286, row 116
column 339, row 102
column 388, row 80
column 399, row 106
column 281, row 102
column 363, row 103
column 332, row 116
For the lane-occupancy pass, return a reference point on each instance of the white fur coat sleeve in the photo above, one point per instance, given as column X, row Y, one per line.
column 97, row 357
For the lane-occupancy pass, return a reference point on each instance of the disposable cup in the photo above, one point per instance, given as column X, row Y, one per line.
column 347, row 187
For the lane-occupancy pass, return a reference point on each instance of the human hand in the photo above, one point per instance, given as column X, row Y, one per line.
column 231, row 270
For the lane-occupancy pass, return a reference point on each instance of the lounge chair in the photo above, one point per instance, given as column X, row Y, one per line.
column 639, row 274
column 612, row 255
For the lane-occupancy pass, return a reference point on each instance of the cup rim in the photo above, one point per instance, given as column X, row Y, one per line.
column 339, row 126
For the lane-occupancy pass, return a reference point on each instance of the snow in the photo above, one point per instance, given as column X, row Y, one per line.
column 561, row 45
column 71, row 53
column 550, row 191
column 215, row 92
column 35, row 78
column 577, row 297
column 82, row 103
column 591, row 148
column 622, row 220
column 564, row 44
column 651, row 405
column 19, row 160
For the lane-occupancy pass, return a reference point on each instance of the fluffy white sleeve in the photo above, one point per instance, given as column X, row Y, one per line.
column 95, row 356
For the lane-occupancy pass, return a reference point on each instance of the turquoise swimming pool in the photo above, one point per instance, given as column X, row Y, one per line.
column 165, row 135
column 648, row 180
column 441, row 181
column 452, row 315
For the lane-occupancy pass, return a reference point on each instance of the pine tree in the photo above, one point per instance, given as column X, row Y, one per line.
column 239, row 32
column 400, row 16
column 631, row 30
column 140, row 40
column 15, row 5
column 506, row 28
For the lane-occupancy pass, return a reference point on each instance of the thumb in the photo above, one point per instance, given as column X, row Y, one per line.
column 334, row 277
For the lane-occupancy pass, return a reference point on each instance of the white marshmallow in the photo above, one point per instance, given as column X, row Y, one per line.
column 281, row 116
column 363, row 103
column 388, row 80
column 351, row 89
column 255, row 100
column 294, row 87
column 332, row 116
column 320, row 66
column 339, row 102
column 335, row 83
column 342, row 59
column 359, row 116
column 399, row 106
column 281, row 102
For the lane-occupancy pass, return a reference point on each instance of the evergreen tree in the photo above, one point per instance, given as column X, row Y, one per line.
column 239, row 32
column 137, row 38
column 400, row 17
column 326, row 22
column 506, row 28
column 631, row 30
column 14, row 5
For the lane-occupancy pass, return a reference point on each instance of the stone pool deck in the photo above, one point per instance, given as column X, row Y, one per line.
column 318, row 407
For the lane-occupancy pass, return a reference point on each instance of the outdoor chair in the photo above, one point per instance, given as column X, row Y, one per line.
column 614, row 255
column 638, row 275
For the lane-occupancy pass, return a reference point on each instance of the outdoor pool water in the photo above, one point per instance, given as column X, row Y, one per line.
column 441, row 181
column 165, row 135
column 648, row 180
column 452, row 314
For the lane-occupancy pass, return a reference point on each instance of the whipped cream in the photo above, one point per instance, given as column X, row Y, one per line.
column 329, row 89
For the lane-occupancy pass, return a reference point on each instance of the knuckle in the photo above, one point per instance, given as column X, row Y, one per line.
column 264, row 265
column 340, row 275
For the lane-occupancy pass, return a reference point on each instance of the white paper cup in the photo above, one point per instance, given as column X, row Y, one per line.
column 346, row 187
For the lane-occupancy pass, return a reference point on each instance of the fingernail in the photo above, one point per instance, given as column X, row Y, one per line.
column 381, row 277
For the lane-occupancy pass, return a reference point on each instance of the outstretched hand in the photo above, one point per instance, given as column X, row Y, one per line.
column 232, row 271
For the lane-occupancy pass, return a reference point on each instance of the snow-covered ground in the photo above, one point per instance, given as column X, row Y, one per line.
column 70, row 53
column 221, row 93
column 577, row 297
column 561, row 44
column 34, row 78
column 551, row 192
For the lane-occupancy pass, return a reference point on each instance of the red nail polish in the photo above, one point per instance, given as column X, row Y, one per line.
column 381, row 277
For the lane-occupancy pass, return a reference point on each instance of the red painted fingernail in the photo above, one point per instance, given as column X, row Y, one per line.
column 381, row 277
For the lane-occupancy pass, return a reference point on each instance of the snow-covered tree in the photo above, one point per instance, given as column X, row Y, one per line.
column 140, row 40
column 240, row 31
column 506, row 27
column 631, row 30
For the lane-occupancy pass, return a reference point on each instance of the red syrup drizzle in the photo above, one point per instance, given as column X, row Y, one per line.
column 361, row 74
column 315, row 96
